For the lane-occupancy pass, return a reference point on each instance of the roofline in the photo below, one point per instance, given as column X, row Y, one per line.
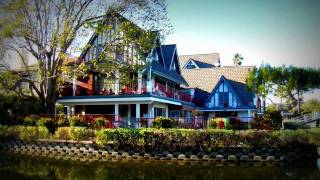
column 222, row 78
column 198, row 54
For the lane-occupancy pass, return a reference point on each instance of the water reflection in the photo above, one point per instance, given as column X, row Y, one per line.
column 40, row 168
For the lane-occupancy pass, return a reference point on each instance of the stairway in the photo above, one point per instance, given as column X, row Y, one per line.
column 309, row 119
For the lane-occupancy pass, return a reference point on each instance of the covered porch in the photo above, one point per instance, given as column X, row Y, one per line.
column 131, row 111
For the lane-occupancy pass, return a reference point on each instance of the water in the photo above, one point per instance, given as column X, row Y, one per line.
column 17, row 167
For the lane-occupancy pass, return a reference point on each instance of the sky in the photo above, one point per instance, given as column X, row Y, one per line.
column 271, row 31
column 277, row 32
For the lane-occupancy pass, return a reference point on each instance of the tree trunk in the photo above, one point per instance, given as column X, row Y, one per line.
column 51, row 96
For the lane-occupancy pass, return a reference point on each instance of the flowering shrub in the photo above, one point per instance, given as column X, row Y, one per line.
column 77, row 121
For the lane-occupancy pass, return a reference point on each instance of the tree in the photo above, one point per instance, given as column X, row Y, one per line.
column 237, row 59
column 48, row 29
column 312, row 105
column 285, row 82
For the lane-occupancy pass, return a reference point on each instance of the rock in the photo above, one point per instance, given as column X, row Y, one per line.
column 244, row 158
column 147, row 156
column 125, row 154
column 219, row 157
column 181, row 157
column 270, row 158
column 169, row 156
column 232, row 158
column 257, row 158
column 205, row 157
column 114, row 154
column 194, row 158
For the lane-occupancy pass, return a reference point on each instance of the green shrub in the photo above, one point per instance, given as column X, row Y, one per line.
column 100, row 122
column 80, row 133
column 29, row 133
column 77, row 121
column 62, row 133
column 163, row 122
column 62, row 120
column 48, row 123
column 30, row 120
column 295, row 125
column 3, row 131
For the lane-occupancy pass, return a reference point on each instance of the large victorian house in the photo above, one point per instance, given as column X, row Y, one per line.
column 152, row 92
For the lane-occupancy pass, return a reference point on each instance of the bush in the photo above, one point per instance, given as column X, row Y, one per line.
column 62, row 133
column 163, row 122
column 48, row 123
column 100, row 122
column 30, row 120
column 3, row 131
column 62, row 120
column 295, row 125
column 77, row 121
column 80, row 133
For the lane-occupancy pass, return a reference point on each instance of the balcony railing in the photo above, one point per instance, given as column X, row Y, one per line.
column 130, row 88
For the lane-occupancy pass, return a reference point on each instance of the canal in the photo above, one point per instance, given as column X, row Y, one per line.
column 23, row 167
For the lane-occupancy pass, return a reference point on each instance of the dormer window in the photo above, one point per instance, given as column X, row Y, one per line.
column 191, row 65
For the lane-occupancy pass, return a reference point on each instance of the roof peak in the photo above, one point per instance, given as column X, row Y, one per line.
column 198, row 54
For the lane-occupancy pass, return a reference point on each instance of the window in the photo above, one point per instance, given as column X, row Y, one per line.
column 159, row 112
column 191, row 65
column 223, row 97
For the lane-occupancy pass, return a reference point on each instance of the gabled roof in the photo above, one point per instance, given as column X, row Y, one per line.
column 207, row 78
column 229, row 85
column 172, row 75
column 202, row 60
column 168, row 53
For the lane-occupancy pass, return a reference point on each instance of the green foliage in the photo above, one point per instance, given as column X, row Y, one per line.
column 27, row 133
column 12, row 107
column 285, row 82
column 295, row 125
column 100, row 122
column 47, row 122
column 62, row 133
column 79, row 133
column 312, row 105
column 77, row 121
column 271, row 119
column 30, row 120
column 237, row 59
column 163, row 122
column 62, row 120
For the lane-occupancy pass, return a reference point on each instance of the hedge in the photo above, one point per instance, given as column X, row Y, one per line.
column 183, row 140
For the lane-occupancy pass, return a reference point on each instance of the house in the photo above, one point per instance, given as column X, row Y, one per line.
column 151, row 92
column 218, row 91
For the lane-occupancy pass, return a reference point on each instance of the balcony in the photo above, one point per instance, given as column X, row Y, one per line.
column 127, row 89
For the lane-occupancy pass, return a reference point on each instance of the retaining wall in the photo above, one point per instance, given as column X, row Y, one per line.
column 88, row 151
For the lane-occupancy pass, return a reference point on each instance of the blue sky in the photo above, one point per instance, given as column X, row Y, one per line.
column 271, row 31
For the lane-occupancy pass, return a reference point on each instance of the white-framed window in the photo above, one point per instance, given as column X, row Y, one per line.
column 191, row 65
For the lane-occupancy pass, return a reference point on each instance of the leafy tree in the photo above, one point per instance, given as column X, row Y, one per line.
column 237, row 59
column 48, row 30
column 286, row 82
column 312, row 105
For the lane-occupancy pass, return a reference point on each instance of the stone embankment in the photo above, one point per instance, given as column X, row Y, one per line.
column 87, row 151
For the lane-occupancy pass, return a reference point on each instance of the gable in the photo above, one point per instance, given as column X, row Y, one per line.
column 191, row 64
column 223, row 96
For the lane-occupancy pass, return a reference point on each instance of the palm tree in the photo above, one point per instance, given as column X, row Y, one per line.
column 237, row 59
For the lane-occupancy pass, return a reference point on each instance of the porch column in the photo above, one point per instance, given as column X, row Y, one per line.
column 249, row 119
column 150, row 114
column 137, row 115
column 68, row 111
column 116, row 115
column 74, row 87
column 117, row 82
column 139, row 82
column 167, row 112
